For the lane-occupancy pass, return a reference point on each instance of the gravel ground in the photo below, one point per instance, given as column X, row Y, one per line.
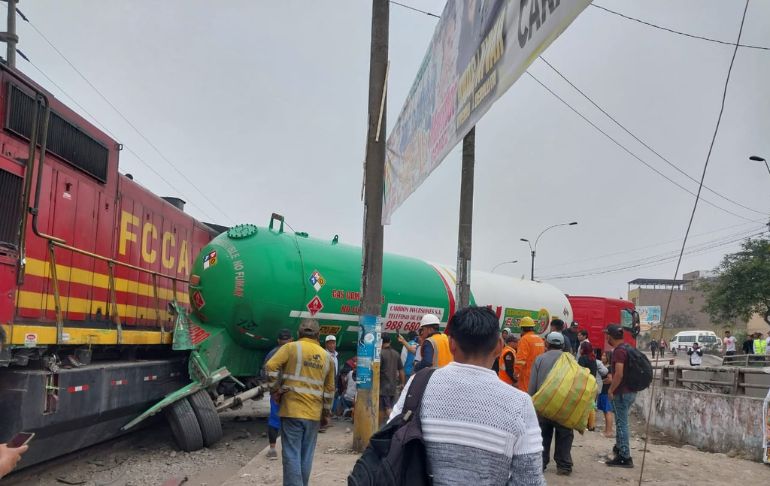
column 150, row 457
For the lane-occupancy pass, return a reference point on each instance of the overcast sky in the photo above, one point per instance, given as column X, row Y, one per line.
column 262, row 105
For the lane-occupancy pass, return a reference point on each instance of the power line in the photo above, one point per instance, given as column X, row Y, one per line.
column 415, row 9
column 645, row 144
column 633, row 154
column 667, row 254
column 106, row 100
column 649, row 264
column 656, row 26
column 659, row 258
column 108, row 132
column 632, row 250
column 689, row 223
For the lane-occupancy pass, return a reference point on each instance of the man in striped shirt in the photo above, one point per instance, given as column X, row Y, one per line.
column 477, row 429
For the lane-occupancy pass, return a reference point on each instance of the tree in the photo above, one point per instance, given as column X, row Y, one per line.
column 742, row 285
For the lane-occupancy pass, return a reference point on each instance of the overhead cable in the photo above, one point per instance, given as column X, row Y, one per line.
column 125, row 119
column 660, row 27
column 652, row 263
column 661, row 257
column 633, row 154
column 415, row 9
column 645, row 144
column 689, row 226
column 96, row 122
column 632, row 250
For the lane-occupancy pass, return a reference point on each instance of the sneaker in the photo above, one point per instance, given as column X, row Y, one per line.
column 563, row 472
column 272, row 454
column 620, row 462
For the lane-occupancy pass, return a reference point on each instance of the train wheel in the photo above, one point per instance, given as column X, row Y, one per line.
column 208, row 419
column 184, row 425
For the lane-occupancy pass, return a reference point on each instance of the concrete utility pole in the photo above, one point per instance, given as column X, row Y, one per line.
column 10, row 37
column 465, row 231
column 366, row 412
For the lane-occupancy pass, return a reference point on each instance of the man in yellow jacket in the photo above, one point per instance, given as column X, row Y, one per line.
column 301, row 375
column 530, row 347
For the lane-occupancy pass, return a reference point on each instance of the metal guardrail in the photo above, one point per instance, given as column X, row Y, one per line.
column 112, row 313
column 728, row 380
column 746, row 360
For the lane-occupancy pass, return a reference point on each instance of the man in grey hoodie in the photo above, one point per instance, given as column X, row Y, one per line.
column 564, row 436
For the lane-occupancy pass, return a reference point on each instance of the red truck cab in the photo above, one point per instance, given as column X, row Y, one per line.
column 594, row 314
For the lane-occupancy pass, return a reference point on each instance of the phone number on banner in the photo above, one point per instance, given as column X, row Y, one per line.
column 395, row 325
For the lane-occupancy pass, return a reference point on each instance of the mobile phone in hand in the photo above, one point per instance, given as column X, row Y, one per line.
column 20, row 439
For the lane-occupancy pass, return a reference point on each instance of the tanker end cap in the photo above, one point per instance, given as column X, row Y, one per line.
column 429, row 320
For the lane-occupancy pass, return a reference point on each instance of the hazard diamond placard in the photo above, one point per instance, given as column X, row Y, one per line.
column 315, row 306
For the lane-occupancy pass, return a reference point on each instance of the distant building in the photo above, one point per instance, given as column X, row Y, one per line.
column 686, row 301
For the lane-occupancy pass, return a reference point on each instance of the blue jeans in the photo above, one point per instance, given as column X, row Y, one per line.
column 622, row 405
column 298, row 438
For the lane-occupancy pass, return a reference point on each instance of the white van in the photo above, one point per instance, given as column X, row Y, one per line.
column 685, row 339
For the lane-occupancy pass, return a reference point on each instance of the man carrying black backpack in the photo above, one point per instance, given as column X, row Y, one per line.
column 473, row 428
column 621, row 395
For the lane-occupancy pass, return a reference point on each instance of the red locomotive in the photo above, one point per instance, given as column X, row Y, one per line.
column 89, row 260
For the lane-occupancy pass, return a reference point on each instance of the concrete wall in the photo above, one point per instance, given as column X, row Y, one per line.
column 683, row 302
column 709, row 421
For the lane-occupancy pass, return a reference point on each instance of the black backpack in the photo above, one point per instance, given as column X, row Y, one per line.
column 396, row 453
column 637, row 373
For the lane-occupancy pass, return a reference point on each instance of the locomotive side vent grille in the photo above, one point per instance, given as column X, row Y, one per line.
column 65, row 139
column 10, row 209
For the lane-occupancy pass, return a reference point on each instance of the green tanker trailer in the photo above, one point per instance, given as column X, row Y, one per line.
column 250, row 282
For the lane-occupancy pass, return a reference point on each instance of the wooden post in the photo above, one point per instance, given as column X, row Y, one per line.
column 366, row 412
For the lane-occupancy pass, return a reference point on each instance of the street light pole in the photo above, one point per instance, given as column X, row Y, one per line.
column 533, row 249
column 503, row 263
column 757, row 158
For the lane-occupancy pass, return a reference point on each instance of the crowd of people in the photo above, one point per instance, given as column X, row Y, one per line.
column 756, row 343
column 478, row 420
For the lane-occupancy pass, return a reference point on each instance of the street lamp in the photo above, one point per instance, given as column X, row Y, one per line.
column 503, row 263
column 757, row 158
column 532, row 248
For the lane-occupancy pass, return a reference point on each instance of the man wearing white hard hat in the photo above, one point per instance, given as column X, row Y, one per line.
column 435, row 345
column 330, row 344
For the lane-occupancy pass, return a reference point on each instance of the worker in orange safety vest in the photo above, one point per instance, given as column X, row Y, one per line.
column 530, row 347
column 434, row 350
column 506, row 360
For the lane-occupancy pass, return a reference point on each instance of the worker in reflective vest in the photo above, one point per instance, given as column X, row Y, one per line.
column 301, row 378
column 530, row 347
column 506, row 361
column 760, row 345
column 434, row 349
